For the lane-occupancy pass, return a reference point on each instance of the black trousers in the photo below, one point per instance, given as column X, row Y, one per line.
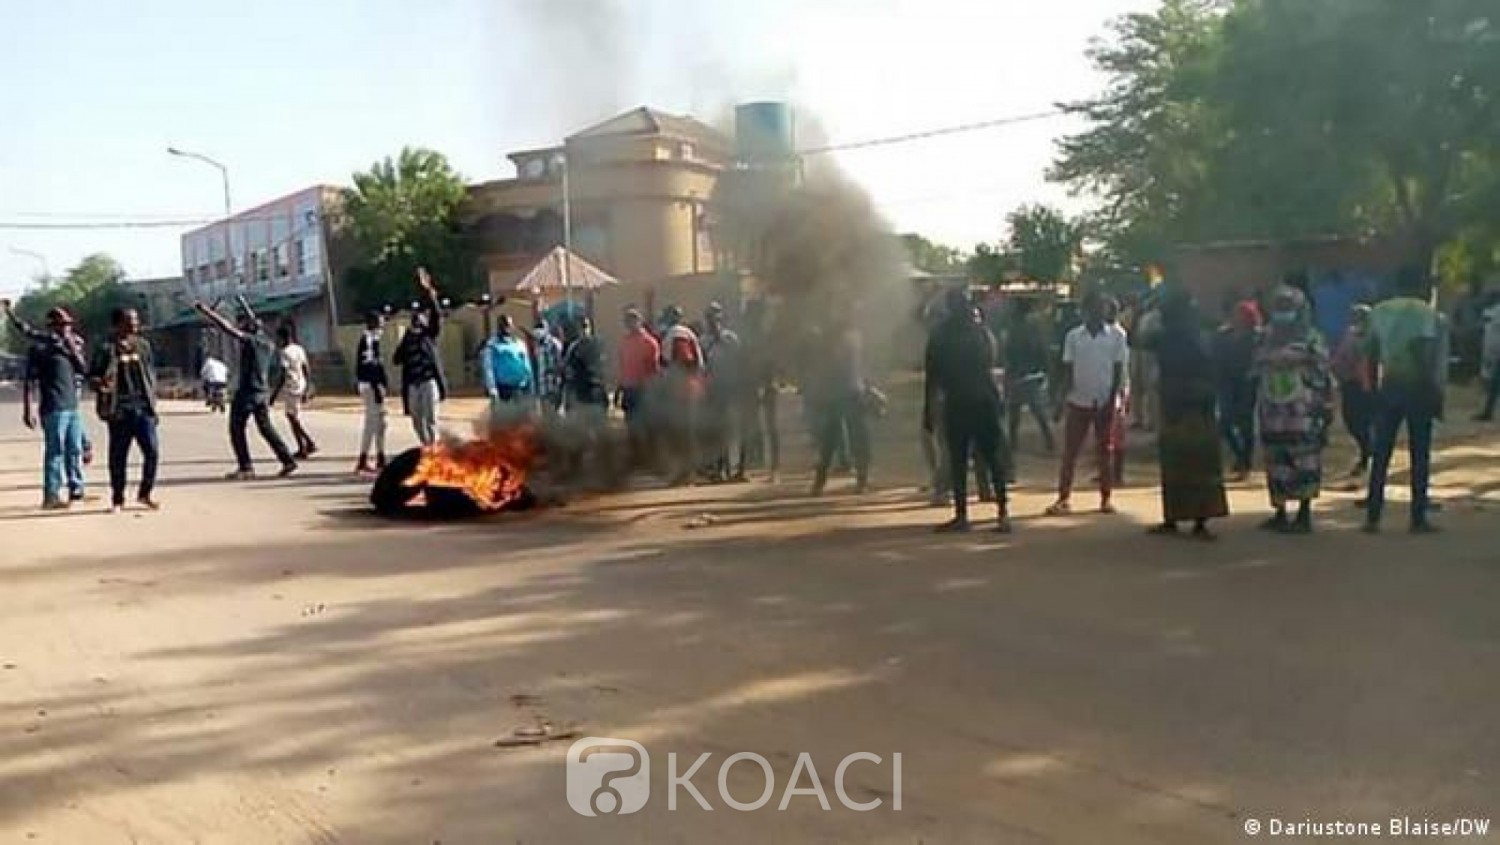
column 127, row 426
column 240, row 414
column 974, row 431
column 840, row 417
column 1359, row 410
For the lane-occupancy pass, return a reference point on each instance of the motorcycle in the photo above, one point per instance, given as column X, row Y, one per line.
column 215, row 395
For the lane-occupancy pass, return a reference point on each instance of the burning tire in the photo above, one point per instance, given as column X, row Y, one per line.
column 391, row 494
column 396, row 492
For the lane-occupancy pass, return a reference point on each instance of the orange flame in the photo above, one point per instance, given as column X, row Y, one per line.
column 492, row 471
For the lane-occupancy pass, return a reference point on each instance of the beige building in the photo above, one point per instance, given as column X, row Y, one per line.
column 639, row 187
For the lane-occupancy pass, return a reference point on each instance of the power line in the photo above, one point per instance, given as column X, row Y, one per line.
column 933, row 133
column 119, row 224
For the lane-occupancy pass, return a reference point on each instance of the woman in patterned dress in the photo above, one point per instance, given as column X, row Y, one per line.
column 1294, row 404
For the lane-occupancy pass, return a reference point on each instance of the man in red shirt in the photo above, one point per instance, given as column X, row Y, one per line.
column 640, row 362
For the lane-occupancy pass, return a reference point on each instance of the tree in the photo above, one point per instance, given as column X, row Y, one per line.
column 991, row 266
column 90, row 291
column 932, row 257
column 403, row 213
column 1045, row 243
column 1233, row 119
column 1152, row 129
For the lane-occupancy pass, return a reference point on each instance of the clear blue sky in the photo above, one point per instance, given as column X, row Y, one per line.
column 290, row 94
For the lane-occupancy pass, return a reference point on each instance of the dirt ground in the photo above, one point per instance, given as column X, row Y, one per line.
column 268, row 663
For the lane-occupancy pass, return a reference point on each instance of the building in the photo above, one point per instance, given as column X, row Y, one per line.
column 282, row 257
column 162, row 302
column 637, row 188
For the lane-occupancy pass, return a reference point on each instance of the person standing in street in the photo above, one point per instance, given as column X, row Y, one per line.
column 124, row 377
column 838, row 398
column 683, row 389
column 373, row 385
column 294, row 387
column 423, row 387
column 639, row 362
column 1094, row 356
column 1489, row 356
column 54, row 365
column 1192, row 473
column 724, row 425
column 584, row 394
column 252, row 392
column 1025, row 374
column 547, row 366
column 506, row 369
column 1234, row 353
column 1357, row 405
column 1294, row 404
column 1403, row 373
column 961, row 352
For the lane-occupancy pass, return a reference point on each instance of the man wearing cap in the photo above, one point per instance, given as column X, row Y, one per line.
column 54, row 366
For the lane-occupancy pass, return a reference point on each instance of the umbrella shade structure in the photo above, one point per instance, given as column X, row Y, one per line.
column 548, row 276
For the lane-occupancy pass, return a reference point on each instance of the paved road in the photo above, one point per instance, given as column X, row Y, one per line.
column 266, row 663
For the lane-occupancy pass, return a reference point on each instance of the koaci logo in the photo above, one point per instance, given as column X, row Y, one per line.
column 608, row 776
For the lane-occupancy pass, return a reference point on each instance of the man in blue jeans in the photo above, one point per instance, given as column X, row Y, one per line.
column 1402, row 345
column 53, row 366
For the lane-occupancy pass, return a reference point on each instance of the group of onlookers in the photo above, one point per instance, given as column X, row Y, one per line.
column 1263, row 378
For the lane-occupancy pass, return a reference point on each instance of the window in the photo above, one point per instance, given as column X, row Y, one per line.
column 685, row 150
column 237, row 249
column 309, row 255
column 283, row 254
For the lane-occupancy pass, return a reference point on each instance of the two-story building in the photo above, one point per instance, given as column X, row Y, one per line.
column 281, row 256
column 638, row 189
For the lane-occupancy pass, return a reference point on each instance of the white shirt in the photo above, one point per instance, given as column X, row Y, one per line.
column 1093, row 358
column 214, row 371
column 294, row 364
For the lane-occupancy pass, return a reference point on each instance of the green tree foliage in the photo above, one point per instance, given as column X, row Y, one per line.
column 1228, row 119
column 990, row 265
column 89, row 291
column 932, row 257
column 1045, row 243
column 403, row 213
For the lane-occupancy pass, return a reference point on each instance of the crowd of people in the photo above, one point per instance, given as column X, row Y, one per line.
column 1262, row 379
column 700, row 399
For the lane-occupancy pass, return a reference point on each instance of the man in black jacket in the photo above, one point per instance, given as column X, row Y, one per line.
column 124, row 376
column 960, row 355
column 252, row 393
column 423, row 388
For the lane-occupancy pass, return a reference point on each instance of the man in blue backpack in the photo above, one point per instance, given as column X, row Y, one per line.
column 505, row 365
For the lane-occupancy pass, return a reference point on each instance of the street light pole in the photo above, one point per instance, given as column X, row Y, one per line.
column 228, row 211
column 223, row 173
column 567, row 269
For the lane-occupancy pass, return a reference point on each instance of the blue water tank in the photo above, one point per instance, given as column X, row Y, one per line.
column 764, row 132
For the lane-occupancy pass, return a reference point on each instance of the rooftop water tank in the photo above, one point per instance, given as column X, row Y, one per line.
column 764, row 132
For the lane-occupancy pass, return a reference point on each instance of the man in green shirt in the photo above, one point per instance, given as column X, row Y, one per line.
column 1402, row 347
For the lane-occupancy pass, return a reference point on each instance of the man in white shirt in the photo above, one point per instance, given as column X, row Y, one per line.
column 294, row 385
column 215, row 376
column 1095, row 356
